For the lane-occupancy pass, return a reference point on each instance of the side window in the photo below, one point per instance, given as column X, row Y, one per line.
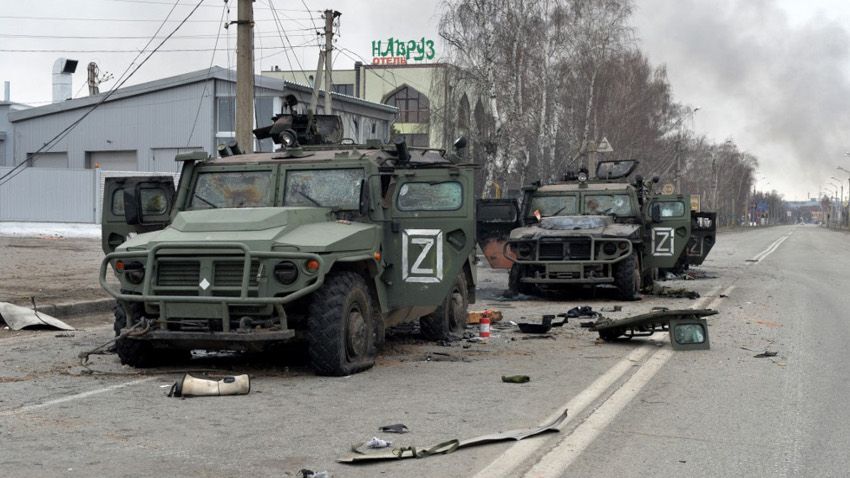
column 154, row 201
column 671, row 208
column 118, row 202
column 445, row 196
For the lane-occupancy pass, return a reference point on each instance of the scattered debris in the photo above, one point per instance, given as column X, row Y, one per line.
column 190, row 386
column 361, row 454
column 394, row 428
column 516, row 378
column 305, row 473
column 581, row 311
column 688, row 328
column 766, row 354
column 376, row 442
column 616, row 308
column 677, row 293
column 539, row 336
column 587, row 324
column 17, row 318
column 474, row 317
column 532, row 328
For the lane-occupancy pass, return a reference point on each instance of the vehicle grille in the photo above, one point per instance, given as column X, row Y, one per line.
column 229, row 274
column 178, row 273
column 551, row 251
column 578, row 250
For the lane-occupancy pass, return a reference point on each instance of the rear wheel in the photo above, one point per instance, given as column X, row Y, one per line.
column 451, row 316
column 342, row 326
column 515, row 285
column 627, row 277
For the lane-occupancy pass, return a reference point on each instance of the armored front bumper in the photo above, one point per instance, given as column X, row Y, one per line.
column 573, row 260
column 211, row 302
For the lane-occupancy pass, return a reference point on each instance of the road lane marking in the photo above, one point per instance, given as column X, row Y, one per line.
column 513, row 457
column 556, row 461
column 775, row 245
column 29, row 408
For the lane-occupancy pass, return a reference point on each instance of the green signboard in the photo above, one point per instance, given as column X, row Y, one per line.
column 400, row 52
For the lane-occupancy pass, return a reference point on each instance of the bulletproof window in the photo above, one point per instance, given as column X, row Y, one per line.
column 605, row 204
column 118, row 202
column 443, row 196
column 554, row 205
column 154, row 201
column 413, row 106
column 671, row 208
column 219, row 189
column 334, row 188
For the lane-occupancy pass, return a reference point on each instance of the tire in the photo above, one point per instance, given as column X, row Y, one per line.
column 627, row 277
column 342, row 328
column 451, row 316
column 141, row 353
column 515, row 286
column 120, row 319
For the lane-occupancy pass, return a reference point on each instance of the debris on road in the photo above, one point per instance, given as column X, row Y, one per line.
column 305, row 473
column 190, row 386
column 377, row 443
column 394, row 428
column 17, row 318
column 588, row 324
column 688, row 328
column 474, row 317
column 675, row 293
column 616, row 308
column 766, row 354
column 516, row 378
column 361, row 455
column 532, row 328
column 582, row 311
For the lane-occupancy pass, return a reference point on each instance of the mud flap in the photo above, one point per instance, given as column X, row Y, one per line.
column 495, row 219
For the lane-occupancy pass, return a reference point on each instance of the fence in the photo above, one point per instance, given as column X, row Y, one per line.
column 57, row 195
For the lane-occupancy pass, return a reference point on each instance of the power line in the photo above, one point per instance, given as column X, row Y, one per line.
column 282, row 31
column 53, row 141
column 153, row 2
column 173, row 50
column 203, row 93
column 88, row 19
column 120, row 37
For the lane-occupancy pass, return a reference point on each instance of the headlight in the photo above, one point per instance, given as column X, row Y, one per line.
column 134, row 272
column 285, row 272
column 609, row 248
column 523, row 249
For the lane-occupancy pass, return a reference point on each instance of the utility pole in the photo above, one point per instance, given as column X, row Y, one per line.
column 326, row 61
column 245, row 75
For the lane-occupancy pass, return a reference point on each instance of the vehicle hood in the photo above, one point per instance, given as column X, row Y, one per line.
column 305, row 229
column 565, row 226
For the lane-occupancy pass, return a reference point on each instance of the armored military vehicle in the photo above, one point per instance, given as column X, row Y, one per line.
column 325, row 243
column 583, row 231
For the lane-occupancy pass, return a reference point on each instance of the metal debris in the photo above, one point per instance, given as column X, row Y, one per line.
column 516, row 378
column 766, row 354
column 394, row 428
column 17, row 318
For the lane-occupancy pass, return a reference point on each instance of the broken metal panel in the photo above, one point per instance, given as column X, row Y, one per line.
column 647, row 324
column 703, row 236
column 17, row 318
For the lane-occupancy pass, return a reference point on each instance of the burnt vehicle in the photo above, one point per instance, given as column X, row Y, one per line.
column 583, row 231
column 319, row 241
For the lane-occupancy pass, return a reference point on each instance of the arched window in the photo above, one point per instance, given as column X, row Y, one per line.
column 413, row 106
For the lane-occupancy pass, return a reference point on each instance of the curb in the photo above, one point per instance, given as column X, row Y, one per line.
column 78, row 308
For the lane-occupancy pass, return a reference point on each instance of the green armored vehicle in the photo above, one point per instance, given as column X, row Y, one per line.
column 324, row 243
column 584, row 231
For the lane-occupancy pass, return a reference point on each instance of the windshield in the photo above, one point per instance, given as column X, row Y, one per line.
column 218, row 189
column 603, row 204
column 554, row 205
column 336, row 188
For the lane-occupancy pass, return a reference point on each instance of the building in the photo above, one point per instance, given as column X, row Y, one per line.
column 139, row 129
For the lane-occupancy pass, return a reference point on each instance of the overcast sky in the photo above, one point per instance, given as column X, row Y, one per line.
column 770, row 74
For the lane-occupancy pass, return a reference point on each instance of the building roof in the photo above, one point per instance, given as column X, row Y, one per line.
column 216, row 72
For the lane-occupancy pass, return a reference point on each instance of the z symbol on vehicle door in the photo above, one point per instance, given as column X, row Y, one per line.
column 422, row 255
column 662, row 241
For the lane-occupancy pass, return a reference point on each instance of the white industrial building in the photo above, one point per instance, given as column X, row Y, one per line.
column 141, row 128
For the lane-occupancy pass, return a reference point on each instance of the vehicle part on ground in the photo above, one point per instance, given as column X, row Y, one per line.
column 583, row 232
column 318, row 241
column 18, row 318
column 360, row 454
column 190, row 386
column 688, row 328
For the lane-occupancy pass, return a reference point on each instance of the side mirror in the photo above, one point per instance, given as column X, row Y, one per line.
column 655, row 213
column 364, row 198
column 460, row 143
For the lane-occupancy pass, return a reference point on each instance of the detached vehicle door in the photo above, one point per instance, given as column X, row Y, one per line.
column 495, row 219
column 133, row 205
column 703, row 233
column 668, row 220
column 430, row 236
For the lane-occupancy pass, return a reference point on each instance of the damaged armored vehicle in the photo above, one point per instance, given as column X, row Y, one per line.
column 588, row 232
column 320, row 242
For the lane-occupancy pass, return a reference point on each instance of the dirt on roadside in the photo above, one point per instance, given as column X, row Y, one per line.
column 53, row 270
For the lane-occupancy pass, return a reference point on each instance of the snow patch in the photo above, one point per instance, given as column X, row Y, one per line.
column 49, row 229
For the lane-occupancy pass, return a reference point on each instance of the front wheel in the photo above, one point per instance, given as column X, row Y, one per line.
column 451, row 316
column 342, row 327
column 627, row 277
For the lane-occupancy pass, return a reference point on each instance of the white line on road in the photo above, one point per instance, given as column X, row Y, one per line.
column 761, row 255
column 556, row 461
column 29, row 408
column 507, row 462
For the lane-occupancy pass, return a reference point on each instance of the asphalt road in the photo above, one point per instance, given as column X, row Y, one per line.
column 635, row 408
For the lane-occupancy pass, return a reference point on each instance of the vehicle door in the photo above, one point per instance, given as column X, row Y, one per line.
column 430, row 235
column 133, row 205
column 703, row 233
column 495, row 219
column 668, row 230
